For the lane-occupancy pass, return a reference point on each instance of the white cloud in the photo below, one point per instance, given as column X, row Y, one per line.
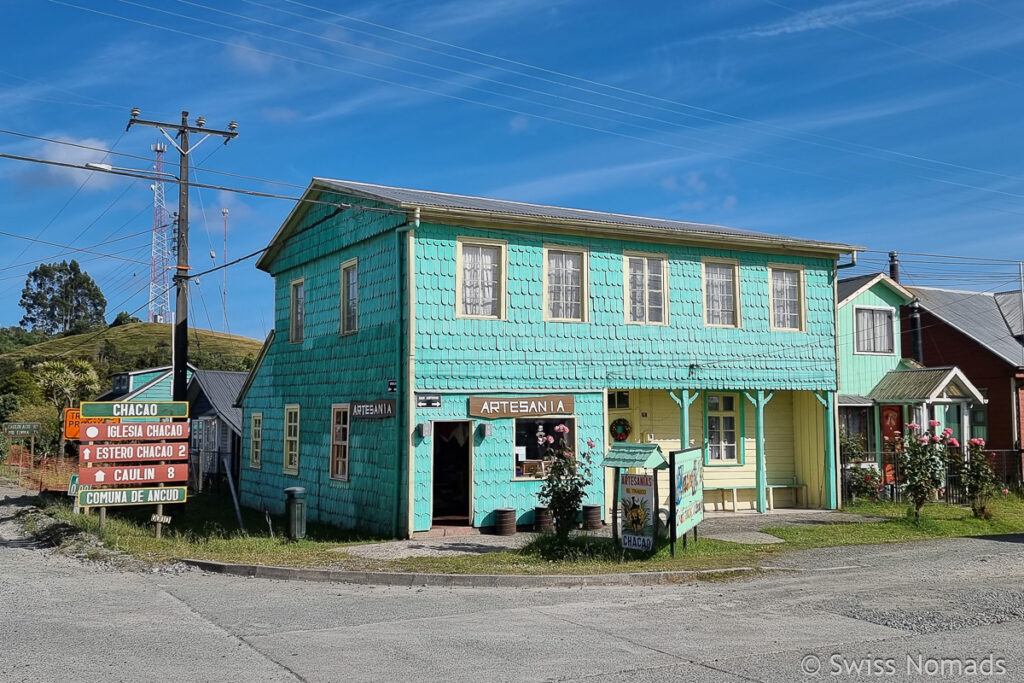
column 842, row 14
column 518, row 123
column 245, row 56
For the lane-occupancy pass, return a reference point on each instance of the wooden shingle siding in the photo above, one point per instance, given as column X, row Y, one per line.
column 327, row 368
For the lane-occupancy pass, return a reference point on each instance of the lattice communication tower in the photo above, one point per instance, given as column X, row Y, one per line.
column 163, row 254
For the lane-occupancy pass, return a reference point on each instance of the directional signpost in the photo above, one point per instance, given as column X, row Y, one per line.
column 145, row 451
column 24, row 430
column 73, row 422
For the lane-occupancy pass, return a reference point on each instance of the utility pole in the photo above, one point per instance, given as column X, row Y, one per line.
column 224, row 262
column 179, row 370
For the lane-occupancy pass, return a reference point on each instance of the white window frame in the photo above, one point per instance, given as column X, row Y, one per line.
column 351, row 264
column 646, row 255
column 460, row 244
column 337, row 442
column 800, row 292
column 584, row 283
column 296, row 332
column 892, row 314
column 720, row 414
column 256, row 441
column 735, row 265
column 292, row 407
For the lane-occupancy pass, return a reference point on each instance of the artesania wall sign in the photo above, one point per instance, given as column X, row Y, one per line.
column 132, row 474
column 135, row 409
column 373, row 410
column 135, row 431
column 132, row 452
column 147, row 496
column 525, row 406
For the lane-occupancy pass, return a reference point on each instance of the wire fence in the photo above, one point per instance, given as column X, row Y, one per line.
column 880, row 474
column 38, row 473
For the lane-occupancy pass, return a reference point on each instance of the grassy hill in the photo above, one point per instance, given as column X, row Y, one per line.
column 125, row 345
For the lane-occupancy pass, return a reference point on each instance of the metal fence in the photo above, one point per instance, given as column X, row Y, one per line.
column 1006, row 464
column 38, row 473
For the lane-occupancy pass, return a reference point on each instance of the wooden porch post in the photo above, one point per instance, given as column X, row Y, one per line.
column 827, row 400
column 759, row 401
column 684, row 400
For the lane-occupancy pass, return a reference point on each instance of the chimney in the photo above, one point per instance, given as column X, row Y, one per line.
column 894, row 266
column 916, row 344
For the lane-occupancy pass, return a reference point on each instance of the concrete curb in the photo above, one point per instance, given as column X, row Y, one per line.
column 466, row 580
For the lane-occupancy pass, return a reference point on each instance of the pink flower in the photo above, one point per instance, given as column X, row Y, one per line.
column 562, row 429
column 913, row 425
column 934, row 423
column 954, row 443
column 947, row 431
column 590, row 444
column 935, row 439
column 924, row 439
column 977, row 441
column 885, row 438
column 1006, row 492
column 550, row 439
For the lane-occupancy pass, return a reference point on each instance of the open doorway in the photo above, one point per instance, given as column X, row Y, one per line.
column 452, row 472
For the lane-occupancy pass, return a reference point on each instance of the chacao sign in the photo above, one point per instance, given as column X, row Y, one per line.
column 135, row 409
column 527, row 406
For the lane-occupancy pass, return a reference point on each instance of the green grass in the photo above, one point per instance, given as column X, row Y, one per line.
column 133, row 339
column 207, row 530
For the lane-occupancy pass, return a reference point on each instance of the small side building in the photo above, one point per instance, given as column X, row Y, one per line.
column 216, row 426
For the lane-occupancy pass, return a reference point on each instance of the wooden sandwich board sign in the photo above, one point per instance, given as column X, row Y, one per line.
column 132, row 452
column 73, row 422
column 139, row 496
column 135, row 431
column 133, row 474
column 135, row 409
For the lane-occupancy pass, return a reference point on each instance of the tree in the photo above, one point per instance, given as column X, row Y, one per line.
column 21, row 384
column 63, row 384
column 124, row 318
column 14, row 337
column 60, row 298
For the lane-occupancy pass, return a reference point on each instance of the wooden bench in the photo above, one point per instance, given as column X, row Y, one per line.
column 771, row 493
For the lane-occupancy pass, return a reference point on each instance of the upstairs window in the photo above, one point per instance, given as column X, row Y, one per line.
column 566, row 284
column 645, row 289
column 481, row 287
column 290, row 464
column 787, row 304
column 349, row 297
column 721, row 300
column 874, row 330
column 297, row 311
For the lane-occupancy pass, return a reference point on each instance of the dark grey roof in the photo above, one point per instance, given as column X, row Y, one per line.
column 846, row 287
column 979, row 316
column 1009, row 306
column 424, row 198
column 221, row 388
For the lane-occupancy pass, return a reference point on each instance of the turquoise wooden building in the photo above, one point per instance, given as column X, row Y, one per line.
column 424, row 342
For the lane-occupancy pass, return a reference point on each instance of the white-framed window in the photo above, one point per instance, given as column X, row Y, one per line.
column 786, row 296
column 646, row 289
column 532, row 446
column 339, row 441
column 349, row 297
column 290, row 461
column 256, row 441
column 480, row 279
column 723, row 428
column 721, row 294
column 874, row 330
column 565, row 284
column 297, row 310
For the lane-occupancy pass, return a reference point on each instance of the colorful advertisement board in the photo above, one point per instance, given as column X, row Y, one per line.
column 636, row 499
column 688, row 489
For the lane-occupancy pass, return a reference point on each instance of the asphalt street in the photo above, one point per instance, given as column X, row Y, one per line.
column 916, row 612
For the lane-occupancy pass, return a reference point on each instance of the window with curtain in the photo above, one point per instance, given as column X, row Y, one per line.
column 565, row 285
column 646, row 289
column 290, row 463
column 720, row 294
column 723, row 428
column 874, row 330
column 349, row 298
column 297, row 311
column 786, row 306
column 481, row 280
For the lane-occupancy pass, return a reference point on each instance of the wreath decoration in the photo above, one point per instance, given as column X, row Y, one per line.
column 620, row 429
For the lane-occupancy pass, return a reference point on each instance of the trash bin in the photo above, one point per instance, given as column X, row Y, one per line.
column 295, row 510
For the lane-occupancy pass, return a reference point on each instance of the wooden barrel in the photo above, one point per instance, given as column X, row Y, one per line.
column 505, row 521
column 591, row 517
column 542, row 519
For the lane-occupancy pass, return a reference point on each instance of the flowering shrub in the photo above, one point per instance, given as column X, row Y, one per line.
column 922, row 463
column 865, row 482
column 979, row 479
column 565, row 482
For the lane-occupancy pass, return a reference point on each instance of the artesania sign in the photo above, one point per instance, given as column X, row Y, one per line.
column 132, row 474
column 636, row 494
column 147, row 496
column 135, row 409
column 132, row 452
column 485, row 406
column 135, row 431
column 379, row 409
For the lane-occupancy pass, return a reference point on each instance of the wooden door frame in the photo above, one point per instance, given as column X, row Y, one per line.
column 433, row 452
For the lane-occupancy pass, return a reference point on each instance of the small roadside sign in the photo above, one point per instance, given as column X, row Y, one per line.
column 73, row 485
column 73, row 422
column 22, row 429
column 133, row 474
column 135, row 409
column 135, row 431
column 142, row 496
column 160, row 519
column 132, row 452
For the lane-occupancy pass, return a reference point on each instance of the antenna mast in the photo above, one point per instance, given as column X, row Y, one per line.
column 162, row 253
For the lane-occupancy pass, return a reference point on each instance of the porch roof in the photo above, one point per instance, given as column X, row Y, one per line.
column 925, row 384
column 854, row 400
column 645, row 455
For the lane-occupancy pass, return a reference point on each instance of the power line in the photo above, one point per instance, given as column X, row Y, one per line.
column 74, row 249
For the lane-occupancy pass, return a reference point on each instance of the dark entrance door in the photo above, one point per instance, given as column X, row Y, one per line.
column 451, row 472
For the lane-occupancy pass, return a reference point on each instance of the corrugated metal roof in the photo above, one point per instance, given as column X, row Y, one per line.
column 1009, row 306
column 406, row 197
column 921, row 384
column 847, row 286
column 221, row 388
column 977, row 315
column 854, row 400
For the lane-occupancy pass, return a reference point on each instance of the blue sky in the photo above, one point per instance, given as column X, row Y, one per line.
column 892, row 124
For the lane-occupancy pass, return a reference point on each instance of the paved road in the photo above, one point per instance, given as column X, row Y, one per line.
column 64, row 619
